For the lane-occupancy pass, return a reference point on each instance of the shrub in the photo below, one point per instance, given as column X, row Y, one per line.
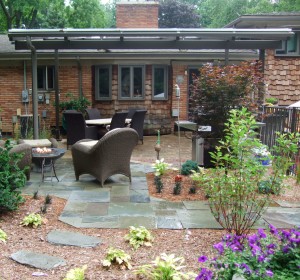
column 232, row 185
column 158, row 184
column 188, row 166
column 165, row 267
column 32, row 220
column 76, row 273
column 116, row 256
column 11, row 179
column 262, row 255
column 177, row 188
column 139, row 236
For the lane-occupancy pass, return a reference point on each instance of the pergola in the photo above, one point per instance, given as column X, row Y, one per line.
column 137, row 39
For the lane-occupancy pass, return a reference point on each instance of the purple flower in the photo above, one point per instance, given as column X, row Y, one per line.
column 273, row 230
column 205, row 274
column 261, row 233
column 286, row 234
column 255, row 250
column 219, row 247
column 269, row 273
column 286, row 249
column 252, row 239
column 261, row 258
column 202, row 259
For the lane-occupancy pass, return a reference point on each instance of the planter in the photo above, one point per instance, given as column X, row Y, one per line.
column 263, row 160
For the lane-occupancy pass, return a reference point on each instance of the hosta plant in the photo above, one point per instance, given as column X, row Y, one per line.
column 32, row 220
column 77, row 273
column 139, row 236
column 3, row 236
column 263, row 255
column 118, row 257
column 160, row 167
column 165, row 267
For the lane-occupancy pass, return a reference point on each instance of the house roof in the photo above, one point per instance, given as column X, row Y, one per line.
column 145, row 39
column 267, row 20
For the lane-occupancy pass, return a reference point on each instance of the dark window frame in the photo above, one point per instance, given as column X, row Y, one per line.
column 97, row 89
column 287, row 48
column 132, row 95
column 166, row 71
column 48, row 77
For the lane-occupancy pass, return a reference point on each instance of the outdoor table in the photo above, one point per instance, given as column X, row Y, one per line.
column 45, row 160
column 102, row 122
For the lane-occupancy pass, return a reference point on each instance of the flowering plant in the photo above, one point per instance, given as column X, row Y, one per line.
column 262, row 255
column 178, row 178
column 177, row 188
column 261, row 151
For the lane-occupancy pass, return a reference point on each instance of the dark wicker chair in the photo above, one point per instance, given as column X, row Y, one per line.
column 93, row 113
column 137, row 123
column 118, row 121
column 106, row 157
column 77, row 128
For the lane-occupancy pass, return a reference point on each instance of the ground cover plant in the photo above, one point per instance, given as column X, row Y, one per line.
column 272, row 254
column 139, row 236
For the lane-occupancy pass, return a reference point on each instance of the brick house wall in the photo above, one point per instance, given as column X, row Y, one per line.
column 282, row 75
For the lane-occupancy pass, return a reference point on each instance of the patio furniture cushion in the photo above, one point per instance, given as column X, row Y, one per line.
column 110, row 155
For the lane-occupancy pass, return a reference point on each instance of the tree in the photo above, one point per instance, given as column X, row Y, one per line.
column 22, row 13
column 176, row 14
column 85, row 14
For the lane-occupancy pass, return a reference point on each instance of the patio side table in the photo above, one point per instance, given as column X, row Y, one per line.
column 47, row 160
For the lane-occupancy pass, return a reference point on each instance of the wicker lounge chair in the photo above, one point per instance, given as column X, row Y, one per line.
column 93, row 113
column 106, row 157
column 137, row 123
column 77, row 128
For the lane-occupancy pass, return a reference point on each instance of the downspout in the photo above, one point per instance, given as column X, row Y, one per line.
column 57, row 130
column 79, row 77
column 34, row 88
column 261, row 91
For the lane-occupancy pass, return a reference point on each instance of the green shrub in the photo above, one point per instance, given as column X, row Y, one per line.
column 33, row 220
column 188, row 166
column 165, row 267
column 11, row 179
column 139, row 236
column 76, row 273
column 116, row 256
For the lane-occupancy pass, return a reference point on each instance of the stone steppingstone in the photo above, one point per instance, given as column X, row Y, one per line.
column 37, row 260
column 68, row 238
column 287, row 204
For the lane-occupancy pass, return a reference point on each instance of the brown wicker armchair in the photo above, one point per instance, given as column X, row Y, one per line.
column 106, row 157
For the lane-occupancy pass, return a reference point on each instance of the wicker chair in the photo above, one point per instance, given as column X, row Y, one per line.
column 93, row 113
column 137, row 123
column 118, row 121
column 77, row 128
column 106, row 157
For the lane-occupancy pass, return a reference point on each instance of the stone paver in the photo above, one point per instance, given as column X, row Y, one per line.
column 37, row 260
column 68, row 238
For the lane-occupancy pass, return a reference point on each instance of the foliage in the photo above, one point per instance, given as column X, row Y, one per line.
column 175, row 13
column 192, row 189
column 188, row 166
column 262, row 255
column 158, row 184
column 3, row 236
column 160, row 167
column 177, row 188
column 75, row 103
column 76, row 273
column 218, row 89
column 232, row 185
column 32, row 220
column 116, row 256
column 44, row 208
column 85, row 14
column 11, row 179
column 139, row 236
column 272, row 100
column 35, row 195
column 48, row 199
column 165, row 267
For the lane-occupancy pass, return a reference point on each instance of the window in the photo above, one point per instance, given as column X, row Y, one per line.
column 160, row 82
column 290, row 47
column 45, row 77
column 103, row 77
column 131, row 81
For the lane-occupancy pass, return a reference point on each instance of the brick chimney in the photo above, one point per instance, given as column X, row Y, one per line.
column 137, row 14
